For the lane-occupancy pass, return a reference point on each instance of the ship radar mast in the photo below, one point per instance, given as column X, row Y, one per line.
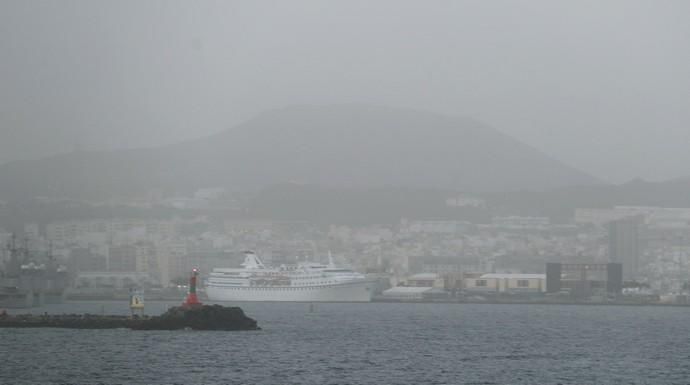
column 252, row 261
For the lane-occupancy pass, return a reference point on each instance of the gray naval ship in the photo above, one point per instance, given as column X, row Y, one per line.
column 30, row 279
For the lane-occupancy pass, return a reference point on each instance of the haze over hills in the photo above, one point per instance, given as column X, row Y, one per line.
column 354, row 146
column 313, row 203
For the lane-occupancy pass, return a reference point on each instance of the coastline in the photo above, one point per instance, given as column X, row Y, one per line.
column 435, row 301
column 524, row 302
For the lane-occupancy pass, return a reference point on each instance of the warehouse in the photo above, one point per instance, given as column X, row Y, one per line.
column 506, row 283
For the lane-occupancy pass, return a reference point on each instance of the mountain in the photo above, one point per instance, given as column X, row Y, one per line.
column 354, row 146
column 559, row 204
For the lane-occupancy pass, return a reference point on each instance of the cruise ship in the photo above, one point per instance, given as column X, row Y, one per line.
column 304, row 282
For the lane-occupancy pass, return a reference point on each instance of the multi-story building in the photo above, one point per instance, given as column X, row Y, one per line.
column 122, row 258
column 519, row 222
column 624, row 245
column 434, row 226
column 171, row 257
column 85, row 259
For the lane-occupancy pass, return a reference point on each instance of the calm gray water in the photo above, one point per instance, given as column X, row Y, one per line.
column 367, row 344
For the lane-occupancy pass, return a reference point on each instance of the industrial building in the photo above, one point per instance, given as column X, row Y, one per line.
column 425, row 280
column 413, row 293
column 583, row 280
column 506, row 283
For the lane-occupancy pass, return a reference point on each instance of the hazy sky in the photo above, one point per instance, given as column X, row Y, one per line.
column 601, row 85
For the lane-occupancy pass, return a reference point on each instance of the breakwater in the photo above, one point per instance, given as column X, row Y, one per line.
column 206, row 317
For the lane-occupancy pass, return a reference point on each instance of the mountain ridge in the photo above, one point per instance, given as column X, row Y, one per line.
column 358, row 146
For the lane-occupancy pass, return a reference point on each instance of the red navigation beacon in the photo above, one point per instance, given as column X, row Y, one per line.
column 192, row 300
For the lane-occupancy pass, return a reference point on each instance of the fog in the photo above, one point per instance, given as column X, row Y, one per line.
column 344, row 192
column 601, row 86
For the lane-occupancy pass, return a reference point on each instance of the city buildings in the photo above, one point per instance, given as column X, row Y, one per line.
column 651, row 244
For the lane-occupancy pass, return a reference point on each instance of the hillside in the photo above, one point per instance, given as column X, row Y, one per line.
column 352, row 146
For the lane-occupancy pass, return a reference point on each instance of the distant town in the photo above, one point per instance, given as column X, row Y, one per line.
column 628, row 254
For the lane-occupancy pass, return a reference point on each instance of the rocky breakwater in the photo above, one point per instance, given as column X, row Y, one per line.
column 203, row 317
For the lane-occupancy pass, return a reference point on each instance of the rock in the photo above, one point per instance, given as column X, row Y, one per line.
column 205, row 317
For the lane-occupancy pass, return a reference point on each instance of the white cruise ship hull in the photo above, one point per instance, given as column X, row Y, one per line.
column 357, row 291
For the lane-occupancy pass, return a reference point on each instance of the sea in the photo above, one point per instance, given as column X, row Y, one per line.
column 365, row 343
